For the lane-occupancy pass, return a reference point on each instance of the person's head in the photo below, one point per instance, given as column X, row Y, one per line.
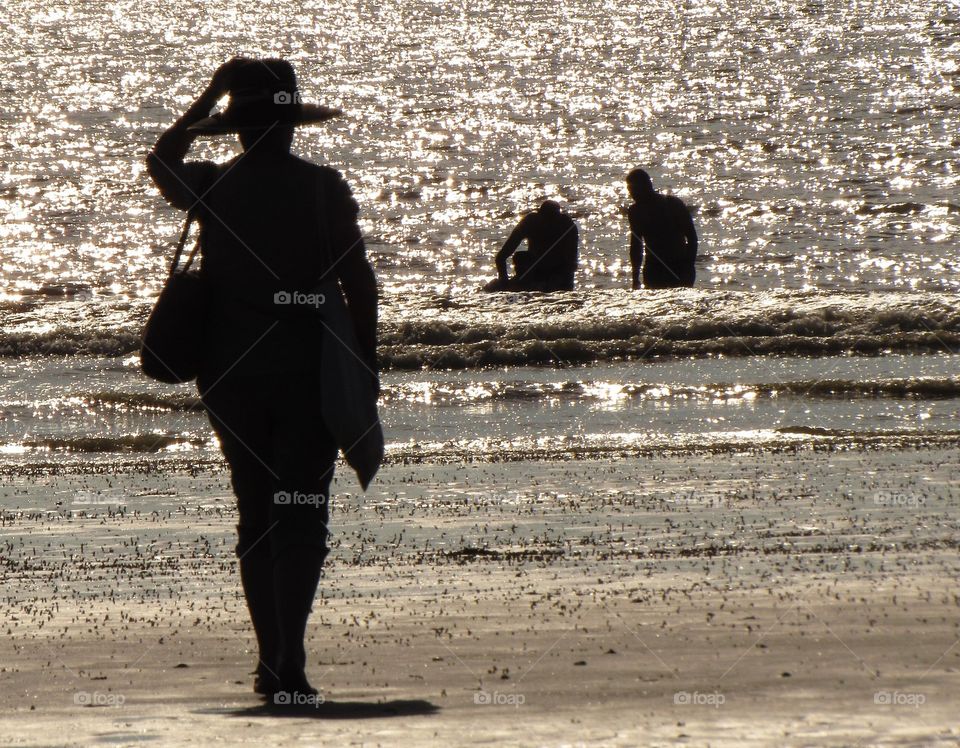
column 640, row 185
column 549, row 208
column 265, row 106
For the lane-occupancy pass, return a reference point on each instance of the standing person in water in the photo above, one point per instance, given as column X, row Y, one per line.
column 550, row 260
column 271, row 226
column 662, row 233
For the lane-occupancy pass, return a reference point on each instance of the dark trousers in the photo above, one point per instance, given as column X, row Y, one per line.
column 281, row 458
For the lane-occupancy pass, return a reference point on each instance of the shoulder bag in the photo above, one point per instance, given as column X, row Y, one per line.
column 172, row 345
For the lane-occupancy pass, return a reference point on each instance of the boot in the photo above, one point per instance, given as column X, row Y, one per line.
column 296, row 573
column 256, row 575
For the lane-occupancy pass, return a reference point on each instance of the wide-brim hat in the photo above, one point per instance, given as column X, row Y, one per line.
column 263, row 94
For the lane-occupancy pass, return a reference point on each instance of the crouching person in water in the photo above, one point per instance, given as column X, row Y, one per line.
column 550, row 260
column 267, row 220
column 663, row 240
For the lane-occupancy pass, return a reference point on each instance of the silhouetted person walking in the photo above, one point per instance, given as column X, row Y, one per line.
column 272, row 225
column 550, row 260
column 663, row 239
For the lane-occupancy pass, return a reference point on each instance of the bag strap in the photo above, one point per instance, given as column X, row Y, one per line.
column 191, row 215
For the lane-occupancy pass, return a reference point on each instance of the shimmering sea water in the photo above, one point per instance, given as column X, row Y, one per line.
column 816, row 142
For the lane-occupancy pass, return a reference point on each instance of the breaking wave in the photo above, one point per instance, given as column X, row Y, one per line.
column 488, row 330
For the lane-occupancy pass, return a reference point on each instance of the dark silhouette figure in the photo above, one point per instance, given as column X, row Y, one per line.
column 271, row 226
column 661, row 228
column 550, row 260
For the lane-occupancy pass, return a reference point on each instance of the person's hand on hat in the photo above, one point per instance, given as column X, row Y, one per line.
column 222, row 79
column 217, row 88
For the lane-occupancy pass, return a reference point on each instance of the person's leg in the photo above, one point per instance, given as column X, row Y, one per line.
column 496, row 285
column 296, row 574
column 655, row 276
column 242, row 425
column 522, row 262
column 304, row 455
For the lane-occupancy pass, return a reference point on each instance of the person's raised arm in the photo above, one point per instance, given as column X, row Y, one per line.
column 513, row 241
column 636, row 253
column 182, row 183
column 572, row 254
column 690, row 232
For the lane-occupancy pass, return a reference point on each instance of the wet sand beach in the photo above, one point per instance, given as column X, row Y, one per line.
column 795, row 599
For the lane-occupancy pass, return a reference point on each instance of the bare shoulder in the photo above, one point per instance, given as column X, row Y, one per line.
column 675, row 203
column 677, row 207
